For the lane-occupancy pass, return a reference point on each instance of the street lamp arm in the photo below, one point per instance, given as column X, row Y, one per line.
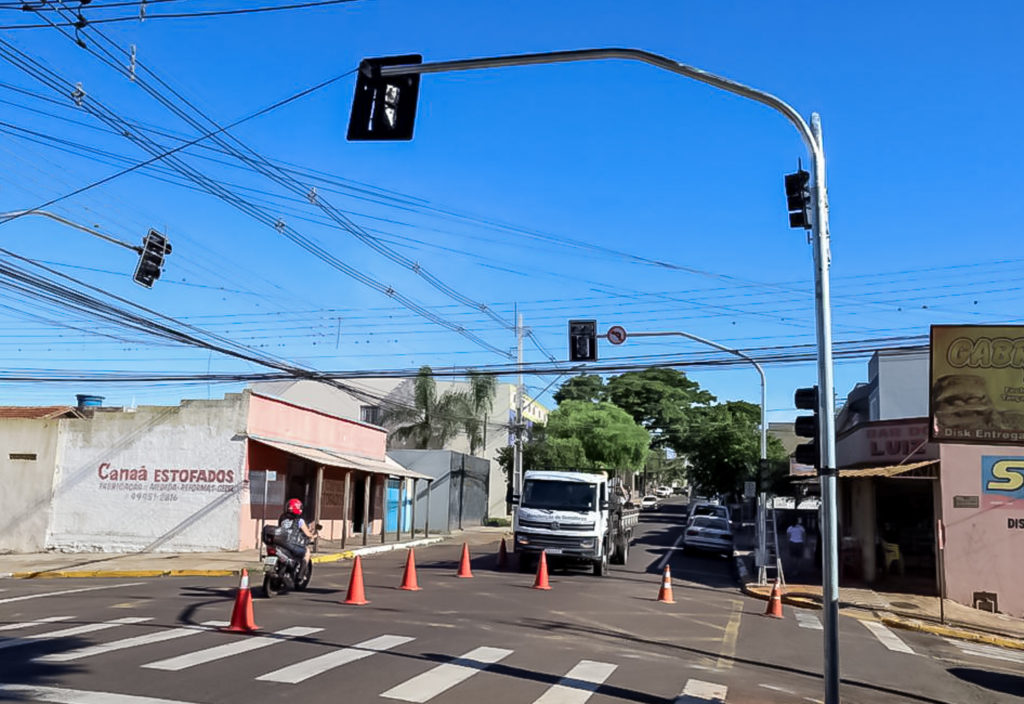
column 69, row 223
column 663, row 62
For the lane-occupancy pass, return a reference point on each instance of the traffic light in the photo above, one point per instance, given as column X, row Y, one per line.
column 384, row 107
column 582, row 340
column 798, row 199
column 151, row 260
column 807, row 427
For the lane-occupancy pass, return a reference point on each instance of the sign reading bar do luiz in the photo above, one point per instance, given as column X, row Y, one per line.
column 977, row 384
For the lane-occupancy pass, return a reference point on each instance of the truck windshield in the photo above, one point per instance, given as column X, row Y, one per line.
column 562, row 496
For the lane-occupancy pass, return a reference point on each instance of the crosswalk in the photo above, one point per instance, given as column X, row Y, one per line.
column 204, row 644
column 575, row 685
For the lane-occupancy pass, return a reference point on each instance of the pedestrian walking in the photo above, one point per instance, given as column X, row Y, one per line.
column 797, row 536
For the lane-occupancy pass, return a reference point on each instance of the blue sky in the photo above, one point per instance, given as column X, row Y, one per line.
column 919, row 109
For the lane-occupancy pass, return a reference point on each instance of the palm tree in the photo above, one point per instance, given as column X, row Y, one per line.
column 432, row 420
column 482, row 390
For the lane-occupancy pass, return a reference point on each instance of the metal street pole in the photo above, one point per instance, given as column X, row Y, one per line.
column 69, row 223
column 823, row 311
column 517, row 468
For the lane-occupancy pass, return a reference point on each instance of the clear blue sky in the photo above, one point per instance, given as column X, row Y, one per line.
column 920, row 107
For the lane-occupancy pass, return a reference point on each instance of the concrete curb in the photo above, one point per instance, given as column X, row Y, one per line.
column 116, row 574
column 791, row 599
column 251, row 566
column 375, row 549
column 951, row 632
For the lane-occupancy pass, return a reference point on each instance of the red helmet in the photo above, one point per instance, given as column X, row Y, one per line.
column 294, row 506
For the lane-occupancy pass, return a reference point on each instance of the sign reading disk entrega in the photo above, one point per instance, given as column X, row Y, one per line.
column 977, row 384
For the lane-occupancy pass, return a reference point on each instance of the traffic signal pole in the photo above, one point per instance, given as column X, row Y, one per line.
column 64, row 221
column 811, row 135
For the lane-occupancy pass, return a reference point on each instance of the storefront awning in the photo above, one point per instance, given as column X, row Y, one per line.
column 333, row 458
column 925, row 470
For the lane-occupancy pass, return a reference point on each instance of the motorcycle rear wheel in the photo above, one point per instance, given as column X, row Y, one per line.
column 271, row 586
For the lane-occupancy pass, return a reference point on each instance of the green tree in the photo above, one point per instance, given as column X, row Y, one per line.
column 724, row 446
column 664, row 401
column 432, row 420
column 479, row 399
column 585, row 387
column 596, row 436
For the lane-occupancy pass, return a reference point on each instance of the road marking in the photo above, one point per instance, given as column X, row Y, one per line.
column 301, row 671
column 425, row 687
column 988, row 651
column 701, row 692
column 237, row 647
column 776, row 688
column 668, row 553
column 133, row 642
column 805, row 619
column 33, row 693
column 578, row 684
column 29, row 624
column 732, row 631
column 889, row 639
column 9, row 599
column 73, row 631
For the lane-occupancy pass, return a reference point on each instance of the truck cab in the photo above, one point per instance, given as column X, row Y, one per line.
column 575, row 516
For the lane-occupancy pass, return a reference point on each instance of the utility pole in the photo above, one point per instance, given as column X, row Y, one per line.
column 517, row 468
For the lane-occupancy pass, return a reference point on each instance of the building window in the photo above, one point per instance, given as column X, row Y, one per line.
column 31, row 456
column 370, row 414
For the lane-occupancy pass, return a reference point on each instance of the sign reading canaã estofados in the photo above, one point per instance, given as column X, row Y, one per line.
column 977, row 384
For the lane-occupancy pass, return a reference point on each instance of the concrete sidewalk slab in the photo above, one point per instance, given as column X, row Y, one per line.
column 909, row 612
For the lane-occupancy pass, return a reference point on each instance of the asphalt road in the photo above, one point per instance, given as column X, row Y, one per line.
column 488, row 639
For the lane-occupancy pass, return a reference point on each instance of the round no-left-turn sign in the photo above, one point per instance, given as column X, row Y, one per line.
column 616, row 334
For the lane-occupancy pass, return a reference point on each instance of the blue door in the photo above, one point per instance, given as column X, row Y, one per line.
column 391, row 505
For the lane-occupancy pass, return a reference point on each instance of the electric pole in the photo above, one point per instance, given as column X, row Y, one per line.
column 517, row 466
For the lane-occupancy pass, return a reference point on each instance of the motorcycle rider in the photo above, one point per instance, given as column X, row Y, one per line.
column 292, row 522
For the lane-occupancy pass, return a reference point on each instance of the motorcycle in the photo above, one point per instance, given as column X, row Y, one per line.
column 283, row 567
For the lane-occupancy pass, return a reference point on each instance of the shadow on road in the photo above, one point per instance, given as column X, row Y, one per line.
column 996, row 681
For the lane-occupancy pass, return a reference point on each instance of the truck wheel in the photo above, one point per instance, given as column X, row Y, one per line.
column 621, row 551
column 601, row 566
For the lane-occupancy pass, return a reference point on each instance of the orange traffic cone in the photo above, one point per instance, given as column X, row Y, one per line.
column 502, row 556
column 775, row 602
column 356, row 596
column 464, row 570
column 409, row 580
column 542, row 572
column 241, row 615
column 665, row 593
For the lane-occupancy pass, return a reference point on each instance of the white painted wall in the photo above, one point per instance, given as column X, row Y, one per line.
column 194, row 461
column 902, row 390
column 26, row 485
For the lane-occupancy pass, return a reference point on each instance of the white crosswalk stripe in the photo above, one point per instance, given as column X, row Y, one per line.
column 889, row 639
column 73, row 631
column 701, row 692
column 578, row 684
column 302, row 671
column 806, row 619
column 29, row 624
column 219, row 652
column 988, row 651
column 133, row 642
column 57, row 695
column 425, row 687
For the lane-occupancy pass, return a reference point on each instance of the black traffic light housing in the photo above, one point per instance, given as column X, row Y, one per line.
column 384, row 108
column 582, row 340
column 807, row 427
column 151, row 260
column 798, row 199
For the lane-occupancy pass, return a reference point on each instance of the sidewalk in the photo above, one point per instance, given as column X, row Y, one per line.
column 196, row 564
column 909, row 611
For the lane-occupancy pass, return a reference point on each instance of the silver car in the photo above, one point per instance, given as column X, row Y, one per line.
column 708, row 533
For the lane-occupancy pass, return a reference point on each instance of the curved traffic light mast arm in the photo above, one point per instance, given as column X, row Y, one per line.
column 69, row 223
column 711, row 343
column 811, row 135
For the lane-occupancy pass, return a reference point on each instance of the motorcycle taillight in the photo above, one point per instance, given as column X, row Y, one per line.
column 271, row 550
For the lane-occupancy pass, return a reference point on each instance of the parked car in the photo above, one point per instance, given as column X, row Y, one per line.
column 664, row 491
column 709, row 509
column 708, row 533
column 648, row 503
